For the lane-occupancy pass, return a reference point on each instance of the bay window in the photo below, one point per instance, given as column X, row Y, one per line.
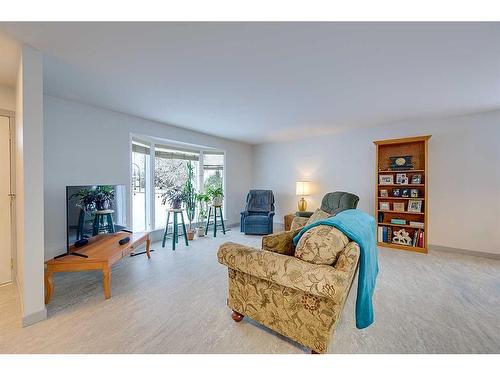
column 159, row 169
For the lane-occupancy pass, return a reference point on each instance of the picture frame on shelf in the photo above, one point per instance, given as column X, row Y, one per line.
column 398, row 206
column 383, row 193
column 396, row 192
column 416, row 179
column 415, row 205
column 386, row 179
column 384, row 206
column 405, row 193
column 401, row 179
column 414, row 193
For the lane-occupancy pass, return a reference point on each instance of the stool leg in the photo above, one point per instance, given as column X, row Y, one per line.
column 184, row 229
column 215, row 221
column 175, row 231
column 166, row 230
column 111, row 225
column 222, row 221
column 208, row 220
column 95, row 227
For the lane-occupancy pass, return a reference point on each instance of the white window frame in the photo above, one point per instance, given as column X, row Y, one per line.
column 149, row 174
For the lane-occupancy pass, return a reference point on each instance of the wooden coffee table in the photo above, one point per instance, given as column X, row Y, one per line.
column 103, row 251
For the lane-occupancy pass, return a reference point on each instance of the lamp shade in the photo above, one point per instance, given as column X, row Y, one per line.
column 302, row 188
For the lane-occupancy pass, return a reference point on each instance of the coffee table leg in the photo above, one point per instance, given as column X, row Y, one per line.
column 106, row 282
column 148, row 245
column 49, row 286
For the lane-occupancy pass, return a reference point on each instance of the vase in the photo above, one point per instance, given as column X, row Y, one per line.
column 200, row 231
column 217, row 201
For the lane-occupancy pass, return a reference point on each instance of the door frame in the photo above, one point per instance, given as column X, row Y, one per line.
column 12, row 132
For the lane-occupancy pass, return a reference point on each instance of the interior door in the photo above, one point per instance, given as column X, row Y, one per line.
column 5, row 217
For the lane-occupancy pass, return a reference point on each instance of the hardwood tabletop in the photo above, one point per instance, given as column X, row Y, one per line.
column 101, row 248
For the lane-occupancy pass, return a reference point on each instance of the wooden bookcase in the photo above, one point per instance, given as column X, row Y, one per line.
column 416, row 147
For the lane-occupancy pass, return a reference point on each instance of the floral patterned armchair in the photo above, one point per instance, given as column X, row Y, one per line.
column 297, row 292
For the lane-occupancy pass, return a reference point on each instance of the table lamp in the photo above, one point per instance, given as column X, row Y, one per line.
column 302, row 190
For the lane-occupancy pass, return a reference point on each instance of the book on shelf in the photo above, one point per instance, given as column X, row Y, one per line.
column 417, row 224
column 385, row 235
column 398, row 221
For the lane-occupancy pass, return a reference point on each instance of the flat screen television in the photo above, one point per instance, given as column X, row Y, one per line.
column 92, row 210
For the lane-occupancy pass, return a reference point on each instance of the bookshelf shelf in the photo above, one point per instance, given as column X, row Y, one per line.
column 402, row 171
column 416, row 147
column 402, row 212
column 400, row 198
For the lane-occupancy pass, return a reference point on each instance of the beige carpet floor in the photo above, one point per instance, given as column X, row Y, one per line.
column 176, row 303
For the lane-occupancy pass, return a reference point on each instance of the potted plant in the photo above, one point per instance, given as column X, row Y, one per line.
column 203, row 199
column 216, row 194
column 103, row 197
column 174, row 196
column 85, row 199
column 189, row 198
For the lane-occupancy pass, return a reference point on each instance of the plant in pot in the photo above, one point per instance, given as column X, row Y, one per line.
column 203, row 199
column 174, row 196
column 216, row 194
column 189, row 198
column 85, row 199
column 103, row 197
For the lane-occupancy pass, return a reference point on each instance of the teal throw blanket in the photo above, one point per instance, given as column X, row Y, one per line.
column 359, row 227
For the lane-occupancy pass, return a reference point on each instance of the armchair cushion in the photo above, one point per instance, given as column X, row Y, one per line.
column 298, row 222
column 281, row 243
column 321, row 245
column 287, row 271
column 319, row 214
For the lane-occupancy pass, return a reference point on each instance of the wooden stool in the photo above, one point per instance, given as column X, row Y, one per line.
column 99, row 218
column 175, row 234
column 215, row 220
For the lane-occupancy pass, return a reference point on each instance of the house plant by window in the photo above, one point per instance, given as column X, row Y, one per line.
column 99, row 198
column 216, row 193
column 174, row 196
column 203, row 199
column 104, row 196
column 189, row 198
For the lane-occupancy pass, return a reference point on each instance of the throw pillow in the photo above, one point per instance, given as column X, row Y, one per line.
column 321, row 245
column 319, row 214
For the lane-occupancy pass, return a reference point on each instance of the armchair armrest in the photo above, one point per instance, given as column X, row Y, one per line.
column 280, row 243
column 318, row 280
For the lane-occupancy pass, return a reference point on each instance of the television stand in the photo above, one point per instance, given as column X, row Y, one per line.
column 100, row 253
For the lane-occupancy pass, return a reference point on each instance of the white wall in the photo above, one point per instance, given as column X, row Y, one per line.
column 7, row 98
column 88, row 145
column 29, row 186
column 464, row 174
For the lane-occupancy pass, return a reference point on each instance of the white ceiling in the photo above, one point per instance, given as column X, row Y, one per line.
column 261, row 82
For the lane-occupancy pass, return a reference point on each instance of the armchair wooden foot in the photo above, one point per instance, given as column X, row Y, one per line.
column 314, row 352
column 237, row 317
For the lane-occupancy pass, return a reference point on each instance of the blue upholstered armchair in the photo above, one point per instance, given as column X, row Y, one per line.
column 259, row 212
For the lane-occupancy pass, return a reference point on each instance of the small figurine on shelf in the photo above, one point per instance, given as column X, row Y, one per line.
column 401, row 237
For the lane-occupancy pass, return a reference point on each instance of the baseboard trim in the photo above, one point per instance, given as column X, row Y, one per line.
column 34, row 317
column 481, row 254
